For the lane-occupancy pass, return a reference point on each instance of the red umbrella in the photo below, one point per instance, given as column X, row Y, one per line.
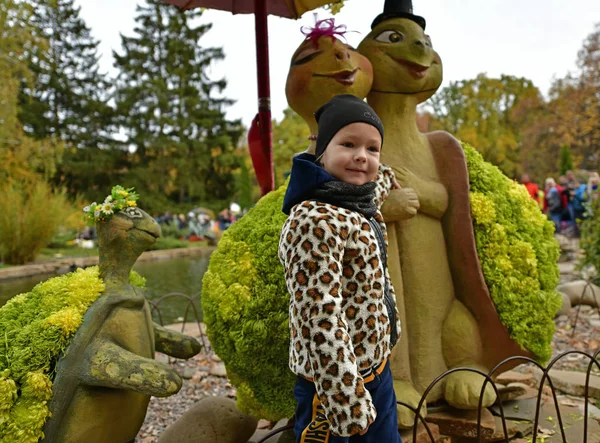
column 259, row 136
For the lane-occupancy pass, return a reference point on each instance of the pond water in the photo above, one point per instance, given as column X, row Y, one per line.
column 181, row 275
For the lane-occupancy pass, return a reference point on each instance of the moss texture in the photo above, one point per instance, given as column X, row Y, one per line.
column 37, row 328
column 518, row 255
column 245, row 304
column 245, row 300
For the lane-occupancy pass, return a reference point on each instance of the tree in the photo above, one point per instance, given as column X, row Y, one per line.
column 67, row 98
column 566, row 160
column 485, row 113
column 22, row 158
column 184, row 146
column 290, row 137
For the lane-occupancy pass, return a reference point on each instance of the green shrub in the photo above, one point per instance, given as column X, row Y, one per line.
column 590, row 236
column 172, row 231
column 518, row 255
column 245, row 305
column 63, row 238
column 37, row 327
column 245, row 299
column 30, row 216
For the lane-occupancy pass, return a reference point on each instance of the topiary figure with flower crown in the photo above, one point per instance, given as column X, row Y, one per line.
column 77, row 360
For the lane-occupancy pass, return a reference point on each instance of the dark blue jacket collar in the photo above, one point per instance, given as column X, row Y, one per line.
column 306, row 175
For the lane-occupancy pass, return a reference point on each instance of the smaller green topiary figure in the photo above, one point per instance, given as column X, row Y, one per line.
column 80, row 348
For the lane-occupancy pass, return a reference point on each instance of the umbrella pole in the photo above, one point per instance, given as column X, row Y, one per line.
column 264, row 90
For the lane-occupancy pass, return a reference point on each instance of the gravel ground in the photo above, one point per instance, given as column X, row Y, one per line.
column 579, row 330
column 198, row 383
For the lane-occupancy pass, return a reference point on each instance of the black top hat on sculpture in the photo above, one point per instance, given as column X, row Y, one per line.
column 398, row 8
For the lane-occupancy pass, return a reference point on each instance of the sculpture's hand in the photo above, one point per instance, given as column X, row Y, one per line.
column 433, row 197
column 405, row 177
column 401, row 204
column 174, row 343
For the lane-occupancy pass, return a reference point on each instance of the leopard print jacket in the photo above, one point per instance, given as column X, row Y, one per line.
column 339, row 323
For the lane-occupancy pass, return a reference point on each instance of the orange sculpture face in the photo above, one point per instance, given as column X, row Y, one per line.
column 322, row 70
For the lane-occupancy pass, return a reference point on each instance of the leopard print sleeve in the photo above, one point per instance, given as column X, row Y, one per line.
column 385, row 180
column 311, row 248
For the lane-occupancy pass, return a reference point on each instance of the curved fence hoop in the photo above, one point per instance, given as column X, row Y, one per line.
column 155, row 307
column 590, row 282
column 452, row 371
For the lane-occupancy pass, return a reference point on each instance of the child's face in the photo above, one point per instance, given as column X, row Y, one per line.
column 352, row 155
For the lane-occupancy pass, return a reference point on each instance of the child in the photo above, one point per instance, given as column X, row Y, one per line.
column 343, row 317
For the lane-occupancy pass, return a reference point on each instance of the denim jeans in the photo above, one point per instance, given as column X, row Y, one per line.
column 383, row 430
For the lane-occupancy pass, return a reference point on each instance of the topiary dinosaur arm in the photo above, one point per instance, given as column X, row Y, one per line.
column 174, row 343
column 114, row 367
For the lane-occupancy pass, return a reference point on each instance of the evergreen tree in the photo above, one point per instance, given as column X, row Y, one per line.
column 566, row 160
column 184, row 146
column 67, row 98
column 22, row 159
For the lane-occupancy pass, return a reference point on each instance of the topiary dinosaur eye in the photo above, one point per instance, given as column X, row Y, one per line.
column 390, row 37
column 133, row 213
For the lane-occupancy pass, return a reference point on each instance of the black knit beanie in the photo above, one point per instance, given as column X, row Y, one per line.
column 341, row 111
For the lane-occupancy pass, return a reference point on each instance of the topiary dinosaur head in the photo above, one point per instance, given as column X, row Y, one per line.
column 403, row 59
column 322, row 67
column 123, row 238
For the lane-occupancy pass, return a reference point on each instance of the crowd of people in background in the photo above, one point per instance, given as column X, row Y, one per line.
column 200, row 223
column 565, row 202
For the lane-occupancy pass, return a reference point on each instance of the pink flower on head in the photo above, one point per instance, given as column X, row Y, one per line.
column 326, row 27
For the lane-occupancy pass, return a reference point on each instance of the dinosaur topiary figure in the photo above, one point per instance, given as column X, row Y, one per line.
column 503, row 254
column 475, row 270
column 78, row 356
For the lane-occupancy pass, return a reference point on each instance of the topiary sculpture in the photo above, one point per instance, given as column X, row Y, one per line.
column 79, row 348
column 245, row 299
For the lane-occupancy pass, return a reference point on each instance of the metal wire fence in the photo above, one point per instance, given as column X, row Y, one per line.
column 594, row 362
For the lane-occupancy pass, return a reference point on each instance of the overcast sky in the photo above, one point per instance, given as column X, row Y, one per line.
column 536, row 39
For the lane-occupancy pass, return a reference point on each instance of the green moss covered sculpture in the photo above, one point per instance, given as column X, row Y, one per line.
column 77, row 352
column 245, row 299
column 245, row 304
column 518, row 255
column 37, row 328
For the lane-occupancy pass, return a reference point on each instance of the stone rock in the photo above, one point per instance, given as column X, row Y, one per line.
column 566, row 305
column 212, row 420
column 461, row 423
column 580, row 292
column 573, row 383
column 512, row 391
column 572, row 424
column 422, row 435
column 511, row 429
column 519, row 410
column 188, row 373
column 217, row 369
column 514, row 377
column 566, row 267
column 593, row 411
